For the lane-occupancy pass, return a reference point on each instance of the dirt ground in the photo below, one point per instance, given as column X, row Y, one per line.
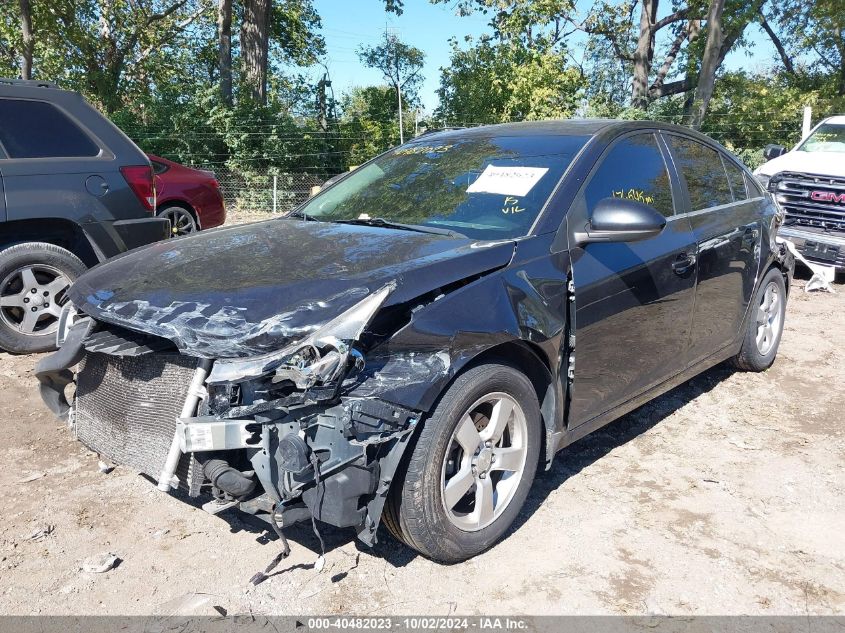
column 726, row 495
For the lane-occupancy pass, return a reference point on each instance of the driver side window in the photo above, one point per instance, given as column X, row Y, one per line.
column 633, row 169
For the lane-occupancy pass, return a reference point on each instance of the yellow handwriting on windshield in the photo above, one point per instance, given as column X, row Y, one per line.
column 422, row 149
column 511, row 205
column 634, row 194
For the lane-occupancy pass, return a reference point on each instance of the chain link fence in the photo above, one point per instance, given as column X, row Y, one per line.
column 256, row 193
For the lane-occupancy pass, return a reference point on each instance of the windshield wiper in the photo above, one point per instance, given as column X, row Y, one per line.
column 419, row 228
column 302, row 215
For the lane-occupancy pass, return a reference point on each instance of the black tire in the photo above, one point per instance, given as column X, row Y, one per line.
column 42, row 260
column 416, row 512
column 182, row 221
column 751, row 357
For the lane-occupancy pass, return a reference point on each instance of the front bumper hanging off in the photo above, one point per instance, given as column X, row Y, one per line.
column 155, row 413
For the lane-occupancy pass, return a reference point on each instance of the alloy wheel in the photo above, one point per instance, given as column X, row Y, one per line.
column 768, row 319
column 30, row 298
column 484, row 462
column 181, row 221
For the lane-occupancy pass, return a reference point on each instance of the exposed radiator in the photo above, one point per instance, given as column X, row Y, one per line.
column 126, row 410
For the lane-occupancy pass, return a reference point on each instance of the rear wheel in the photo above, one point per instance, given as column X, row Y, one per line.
column 765, row 325
column 182, row 221
column 34, row 278
column 470, row 470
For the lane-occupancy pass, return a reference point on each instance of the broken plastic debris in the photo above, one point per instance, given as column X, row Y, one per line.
column 41, row 533
column 105, row 467
column 30, row 477
column 191, row 603
column 100, row 564
column 822, row 275
column 320, row 563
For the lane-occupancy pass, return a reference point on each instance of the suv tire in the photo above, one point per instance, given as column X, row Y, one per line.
column 34, row 277
column 483, row 436
column 765, row 325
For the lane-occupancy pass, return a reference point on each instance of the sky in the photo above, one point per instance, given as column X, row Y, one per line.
column 348, row 24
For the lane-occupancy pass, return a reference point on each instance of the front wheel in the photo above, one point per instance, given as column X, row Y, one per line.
column 470, row 470
column 765, row 325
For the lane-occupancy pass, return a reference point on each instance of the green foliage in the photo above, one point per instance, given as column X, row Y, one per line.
column 368, row 124
column 399, row 63
column 152, row 66
column 492, row 82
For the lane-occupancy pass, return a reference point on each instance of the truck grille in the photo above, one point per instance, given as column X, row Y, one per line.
column 811, row 200
column 126, row 410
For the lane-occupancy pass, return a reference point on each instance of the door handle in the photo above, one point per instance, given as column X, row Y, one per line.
column 683, row 264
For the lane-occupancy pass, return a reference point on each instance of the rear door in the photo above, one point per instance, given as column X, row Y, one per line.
column 726, row 221
column 633, row 300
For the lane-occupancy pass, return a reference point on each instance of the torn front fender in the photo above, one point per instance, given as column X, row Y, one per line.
column 524, row 305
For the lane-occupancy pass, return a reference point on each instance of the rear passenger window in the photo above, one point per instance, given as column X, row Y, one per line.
column 702, row 168
column 736, row 178
column 37, row 129
column 633, row 169
column 753, row 187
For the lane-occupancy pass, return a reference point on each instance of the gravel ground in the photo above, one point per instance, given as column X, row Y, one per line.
column 725, row 495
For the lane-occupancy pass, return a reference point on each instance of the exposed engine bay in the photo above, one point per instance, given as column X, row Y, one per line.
column 275, row 435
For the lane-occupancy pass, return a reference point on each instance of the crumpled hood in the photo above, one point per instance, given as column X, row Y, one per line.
column 822, row 163
column 252, row 289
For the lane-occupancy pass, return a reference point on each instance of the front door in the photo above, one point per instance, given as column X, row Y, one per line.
column 633, row 300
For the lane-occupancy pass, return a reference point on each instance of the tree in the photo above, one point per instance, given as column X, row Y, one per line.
column 400, row 64
column 224, row 49
column 108, row 49
column 494, row 82
column 722, row 34
column 28, row 41
column 255, row 47
column 628, row 43
column 366, row 122
column 813, row 32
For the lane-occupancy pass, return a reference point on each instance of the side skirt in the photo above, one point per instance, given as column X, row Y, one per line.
column 582, row 430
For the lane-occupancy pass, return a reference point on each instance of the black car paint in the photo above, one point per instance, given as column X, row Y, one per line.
column 599, row 328
column 245, row 304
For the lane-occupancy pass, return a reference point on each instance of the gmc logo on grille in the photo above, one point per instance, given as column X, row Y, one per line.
column 828, row 196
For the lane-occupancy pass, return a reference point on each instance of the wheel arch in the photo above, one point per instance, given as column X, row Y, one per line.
column 60, row 232
column 529, row 360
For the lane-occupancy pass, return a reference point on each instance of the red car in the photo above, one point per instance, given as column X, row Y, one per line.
column 189, row 198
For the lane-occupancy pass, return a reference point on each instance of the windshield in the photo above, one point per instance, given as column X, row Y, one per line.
column 828, row 137
column 486, row 188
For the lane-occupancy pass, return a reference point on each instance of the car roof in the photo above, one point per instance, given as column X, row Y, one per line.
column 607, row 128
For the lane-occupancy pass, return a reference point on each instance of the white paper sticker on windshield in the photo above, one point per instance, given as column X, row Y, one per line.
column 507, row 181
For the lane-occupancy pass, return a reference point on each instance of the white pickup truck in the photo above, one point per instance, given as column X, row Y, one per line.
column 809, row 184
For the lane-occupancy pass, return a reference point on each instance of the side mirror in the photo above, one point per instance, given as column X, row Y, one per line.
column 773, row 151
column 621, row 220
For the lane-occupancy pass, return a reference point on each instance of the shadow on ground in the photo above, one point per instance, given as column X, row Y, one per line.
column 568, row 463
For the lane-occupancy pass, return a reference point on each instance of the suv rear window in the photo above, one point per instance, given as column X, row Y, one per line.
column 37, row 129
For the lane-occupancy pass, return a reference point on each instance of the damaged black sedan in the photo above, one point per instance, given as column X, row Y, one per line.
column 410, row 345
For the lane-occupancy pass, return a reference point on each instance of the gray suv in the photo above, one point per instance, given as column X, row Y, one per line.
column 74, row 191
